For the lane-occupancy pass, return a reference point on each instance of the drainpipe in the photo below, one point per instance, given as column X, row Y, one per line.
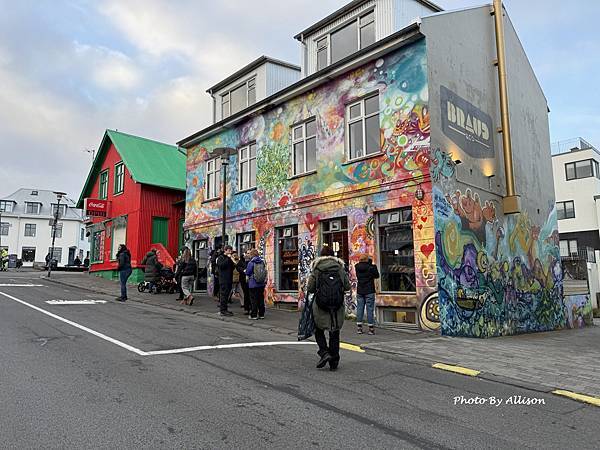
column 511, row 202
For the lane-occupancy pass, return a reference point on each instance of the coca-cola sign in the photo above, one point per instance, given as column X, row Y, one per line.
column 96, row 207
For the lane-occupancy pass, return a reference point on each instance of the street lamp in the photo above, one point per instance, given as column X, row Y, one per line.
column 224, row 164
column 59, row 196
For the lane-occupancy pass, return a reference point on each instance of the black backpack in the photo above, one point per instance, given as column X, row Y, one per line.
column 330, row 290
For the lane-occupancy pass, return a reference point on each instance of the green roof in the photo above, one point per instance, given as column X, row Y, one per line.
column 149, row 162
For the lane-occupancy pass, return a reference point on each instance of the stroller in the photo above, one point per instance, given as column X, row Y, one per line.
column 165, row 283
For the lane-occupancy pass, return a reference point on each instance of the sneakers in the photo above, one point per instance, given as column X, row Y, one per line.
column 359, row 329
column 324, row 360
column 261, row 317
column 253, row 318
column 226, row 313
column 371, row 331
column 120, row 299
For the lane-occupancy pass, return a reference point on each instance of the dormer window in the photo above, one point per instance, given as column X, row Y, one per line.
column 346, row 39
column 34, row 192
column 6, row 206
column 238, row 98
column 32, row 208
column 62, row 211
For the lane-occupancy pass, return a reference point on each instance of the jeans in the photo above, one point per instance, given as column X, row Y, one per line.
column 246, row 290
column 369, row 301
column 257, row 300
column 334, row 345
column 187, row 285
column 123, row 276
column 224, row 296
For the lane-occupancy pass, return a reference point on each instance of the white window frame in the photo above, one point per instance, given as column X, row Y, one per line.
column 62, row 211
column 361, row 118
column 213, row 172
column 327, row 37
column 302, row 139
column 250, row 84
column 6, row 206
column 59, row 230
column 4, row 228
column 37, row 211
column 248, row 159
column 32, row 228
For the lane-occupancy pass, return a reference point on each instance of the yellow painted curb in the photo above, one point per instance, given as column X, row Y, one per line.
column 578, row 397
column 352, row 347
column 457, row 369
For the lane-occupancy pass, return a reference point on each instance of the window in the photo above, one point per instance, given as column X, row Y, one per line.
column 32, row 208
column 362, row 118
column 396, row 251
column 334, row 233
column 119, row 236
column 57, row 254
column 4, row 226
column 82, row 234
column 28, row 254
column 119, row 178
column 59, row 230
column 30, row 229
column 565, row 210
column 287, row 258
column 103, row 189
column 97, row 247
column 582, row 169
column 350, row 37
column 6, row 206
column 568, row 247
column 304, row 147
column 238, row 98
column 212, row 183
column 61, row 212
column 245, row 242
column 34, row 192
column 247, row 167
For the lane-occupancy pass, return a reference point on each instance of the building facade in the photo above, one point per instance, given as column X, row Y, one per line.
column 388, row 146
column 133, row 195
column 26, row 229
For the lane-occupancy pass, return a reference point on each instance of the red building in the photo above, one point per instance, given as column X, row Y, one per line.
column 134, row 194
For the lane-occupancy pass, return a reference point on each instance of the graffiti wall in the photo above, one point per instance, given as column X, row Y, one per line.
column 497, row 275
column 356, row 190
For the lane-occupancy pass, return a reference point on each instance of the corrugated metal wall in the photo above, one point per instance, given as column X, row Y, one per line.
column 279, row 77
column 406, row 11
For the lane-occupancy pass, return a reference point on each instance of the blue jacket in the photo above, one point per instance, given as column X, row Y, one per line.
column 250, row 272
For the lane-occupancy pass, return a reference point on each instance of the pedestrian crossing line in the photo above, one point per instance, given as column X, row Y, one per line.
column 351, row 347
column 20, row 285
column 456, row 369
column 578, row 397
column 222, row 346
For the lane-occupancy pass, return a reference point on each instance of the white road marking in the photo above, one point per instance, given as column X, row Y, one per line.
column 137, row 351
column 21, row 285
column 213, row 347
column 74, row 302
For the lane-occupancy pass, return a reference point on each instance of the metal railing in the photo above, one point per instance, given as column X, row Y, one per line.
column 571, row 145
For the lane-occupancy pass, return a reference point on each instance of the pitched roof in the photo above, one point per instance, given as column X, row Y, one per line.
column 149, row 162
column 47, row 199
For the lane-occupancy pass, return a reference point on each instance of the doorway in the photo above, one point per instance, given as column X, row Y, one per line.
column 160, row 231
column 200, row 253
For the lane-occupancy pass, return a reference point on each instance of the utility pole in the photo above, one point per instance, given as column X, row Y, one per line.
column 59, row 196
column 224, row 164
column 93, row 152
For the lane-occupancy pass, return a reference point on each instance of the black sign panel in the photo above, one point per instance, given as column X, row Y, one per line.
column 466, row 125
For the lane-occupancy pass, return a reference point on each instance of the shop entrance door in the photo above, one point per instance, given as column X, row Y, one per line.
column 200, row 253
column 334, row 234
column 160, row 231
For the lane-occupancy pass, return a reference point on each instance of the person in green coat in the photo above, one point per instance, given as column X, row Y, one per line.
column 323, row 319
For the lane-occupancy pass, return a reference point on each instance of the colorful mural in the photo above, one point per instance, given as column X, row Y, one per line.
column 496, row 275
column 356, row 190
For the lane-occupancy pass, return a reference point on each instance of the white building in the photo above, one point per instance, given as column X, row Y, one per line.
column 26, row 230
column 576, row 166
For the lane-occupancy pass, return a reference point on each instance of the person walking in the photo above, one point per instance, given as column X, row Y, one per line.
column 328, row 281
column 366, row 274
column 241, row 268
column 152, row 268
column 124, row 268
column 225, row 267
column 257, row 279
column 186, row 272
column 179, row 263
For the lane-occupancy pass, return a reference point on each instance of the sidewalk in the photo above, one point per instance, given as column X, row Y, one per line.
column 567, row 359
column 277, row 320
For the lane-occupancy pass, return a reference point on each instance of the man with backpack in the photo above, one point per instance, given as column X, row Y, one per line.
column 328, row 280
column 257, row 279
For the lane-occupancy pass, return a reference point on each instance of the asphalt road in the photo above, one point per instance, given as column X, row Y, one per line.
column 88, row 376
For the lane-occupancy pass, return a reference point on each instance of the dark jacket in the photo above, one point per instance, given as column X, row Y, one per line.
column 124, row 258
column 241, row 268
column 225, row 268
column 153, row 266
column 323, row 318
column 366, row 274
column 187, row 269
column 214, row 268
column 252, row 283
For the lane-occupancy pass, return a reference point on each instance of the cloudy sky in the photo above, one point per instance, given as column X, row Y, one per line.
column 69, row 69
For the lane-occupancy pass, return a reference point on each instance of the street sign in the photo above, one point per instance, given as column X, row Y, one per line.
column 96, row 207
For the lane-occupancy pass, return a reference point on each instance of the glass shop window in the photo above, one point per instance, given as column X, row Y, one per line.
column 334, row 233
column 396, row 251
column 287, row 258
column 246, row 241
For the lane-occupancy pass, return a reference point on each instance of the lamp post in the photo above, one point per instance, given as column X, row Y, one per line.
column 59, row 196
column 224, row 164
